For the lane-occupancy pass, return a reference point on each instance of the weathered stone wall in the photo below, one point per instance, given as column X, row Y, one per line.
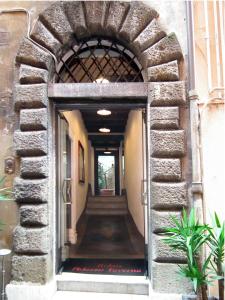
column 137, row 26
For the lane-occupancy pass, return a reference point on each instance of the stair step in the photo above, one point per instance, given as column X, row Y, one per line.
column 100, row 211
column 107, row 199
column 137, row 285
column 109, row 205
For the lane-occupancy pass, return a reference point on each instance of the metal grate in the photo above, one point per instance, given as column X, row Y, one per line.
column 98, row 61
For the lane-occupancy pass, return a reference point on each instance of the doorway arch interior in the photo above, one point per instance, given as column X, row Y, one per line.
column 134, row 25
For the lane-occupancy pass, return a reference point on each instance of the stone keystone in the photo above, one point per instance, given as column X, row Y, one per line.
column 75, row 14
column 117, row 12
column 96, row 12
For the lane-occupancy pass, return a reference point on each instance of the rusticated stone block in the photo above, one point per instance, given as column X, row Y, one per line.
column 32, row 143
column 168, row 143
column 167, row 93
column 33, row 55
column 33, row 119
column 31, row 75
column 165, row 169
column 168, row 195
column 138, row 17
column 45, row 38
column 31, row 190
column 31, row 240
column 149, row 36
column 163, row 253
column 116, row 15
column 96, row 13
column 162, row 219
column 164, row 117
column 33, row 269
column 34, row 215
column 167, row 49
column 34, row 167
column 55, row 19
column 166, row 279
column 75, row 14
column 164, row 72
column 31, row 96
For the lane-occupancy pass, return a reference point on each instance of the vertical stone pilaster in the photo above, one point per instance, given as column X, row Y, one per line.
column 168, row 189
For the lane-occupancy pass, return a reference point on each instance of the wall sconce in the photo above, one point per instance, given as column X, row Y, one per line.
column 10, row 165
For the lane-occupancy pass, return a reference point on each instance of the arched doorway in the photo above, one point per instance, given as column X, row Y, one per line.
column 107, row 223
column 134, row 25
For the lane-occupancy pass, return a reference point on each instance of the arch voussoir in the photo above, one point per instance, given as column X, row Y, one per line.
column 74, row 11
column 33, row 55
column 116, row 15
column 95, row 13
column 137, row 18
column 55, row 19
column 166, row 50
column 45, row 38
column 149, row 36
column 165, row 72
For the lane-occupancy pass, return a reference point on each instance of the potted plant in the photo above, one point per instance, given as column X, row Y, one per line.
column 189, row 236
column 216, row 245
column 5, row 192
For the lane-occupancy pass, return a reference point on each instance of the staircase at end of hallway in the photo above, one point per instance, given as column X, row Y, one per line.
column 107, row 205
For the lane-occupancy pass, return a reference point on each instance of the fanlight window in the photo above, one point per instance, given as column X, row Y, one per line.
column 98, row 61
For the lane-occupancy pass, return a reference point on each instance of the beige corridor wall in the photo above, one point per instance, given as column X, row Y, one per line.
column 134, row 167
column 77, row 132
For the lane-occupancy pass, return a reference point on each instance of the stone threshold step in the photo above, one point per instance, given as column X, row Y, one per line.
column 96, row 296
column 136, row 285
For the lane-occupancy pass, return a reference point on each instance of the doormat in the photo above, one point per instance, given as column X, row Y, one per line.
column 136, row 267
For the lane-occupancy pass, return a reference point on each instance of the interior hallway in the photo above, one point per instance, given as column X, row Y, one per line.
column 107, row 236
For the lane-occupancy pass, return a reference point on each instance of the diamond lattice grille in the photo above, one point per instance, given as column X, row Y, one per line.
column 98, row 61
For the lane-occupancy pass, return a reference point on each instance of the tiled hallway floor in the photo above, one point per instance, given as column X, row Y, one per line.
column 108, row 237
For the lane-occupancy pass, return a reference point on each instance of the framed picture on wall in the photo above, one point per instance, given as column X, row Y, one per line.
column 81, row 170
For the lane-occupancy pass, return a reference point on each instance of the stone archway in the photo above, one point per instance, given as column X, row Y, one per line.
column 136, row 26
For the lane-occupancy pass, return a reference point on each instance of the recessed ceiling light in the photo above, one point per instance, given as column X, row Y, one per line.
column 101, row 80
column 105, row 130
column 104, row 112
column 107, row 152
